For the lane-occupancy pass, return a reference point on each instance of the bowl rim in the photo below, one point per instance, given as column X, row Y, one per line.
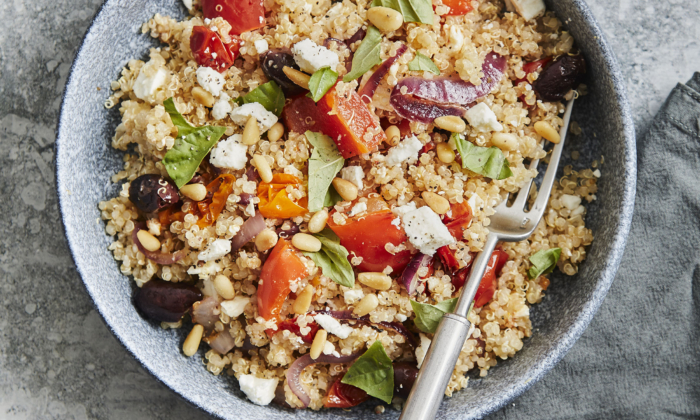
column 563, row 344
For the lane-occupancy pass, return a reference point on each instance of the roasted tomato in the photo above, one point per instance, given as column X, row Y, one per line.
column 275, row 203
column 489, row 282
column 342, row 395
column 532, row 67
column 209, row 50
column 242, row 15
column 458, row 219
column 301, row 114
column 291, row 325
column 281, row 268
column 458, row 7
column 448, row 259
column 217, row 193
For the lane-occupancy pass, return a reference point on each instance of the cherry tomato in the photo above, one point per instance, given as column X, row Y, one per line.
column 281, row 268
column 459, row 219
column 458, row 7
column 274, row 200
column 342, row 395
column 532, row 67
column 218, row 190
column 209, row 50
column 448, row 258
column 291, row 325
column 243, row 15
column 489, row 282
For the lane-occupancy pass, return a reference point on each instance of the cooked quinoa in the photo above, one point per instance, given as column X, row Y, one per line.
column 457, row 45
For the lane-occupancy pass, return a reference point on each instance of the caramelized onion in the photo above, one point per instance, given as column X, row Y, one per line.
column 249, row 230
column 409, row 277
column 222, row 341
column 294, row 372
column 367, row 91
column 162, row 258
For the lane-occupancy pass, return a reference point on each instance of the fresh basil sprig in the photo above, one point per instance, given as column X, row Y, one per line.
column 373, row 373
column 333, row 259
column 543, row 262
column 321, row 81
column 368, row 54
column 423, row 63
column 412, row 10
column 428, row 316
column 325, row 162
column 191, row 146
column 268, row 95
column 486, row 161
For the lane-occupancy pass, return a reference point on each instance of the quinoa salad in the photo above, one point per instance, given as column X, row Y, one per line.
column 306, row 184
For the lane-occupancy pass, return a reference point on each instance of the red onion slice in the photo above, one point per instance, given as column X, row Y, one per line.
column 203, row 312
column 409, row 277
column 394, row 326
column 249, row 230
column 222, row 341
column 367, row 91
column 294, row 372
column 162, row 258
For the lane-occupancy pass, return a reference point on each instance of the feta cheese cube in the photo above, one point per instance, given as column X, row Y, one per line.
column 483, row 119
column 402, row 210
column 266, row 119
column 332, row 325
column 235, row 307
column 353, row 296
column 357, row 209
column 261, row 391
column 406, row 151
column 528, row 9
column 151, row 77
column 210, row 80
column 570, row 201
column 422, row 350
column 215, row 250
column 261, row 46
column 222, row 107
column 328, row 348
column 426, row 231
column 354, row 174
column 188, row 4
column 311, row 57
column 229, row 153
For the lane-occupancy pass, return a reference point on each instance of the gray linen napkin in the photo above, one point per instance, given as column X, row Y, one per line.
column 640, row 357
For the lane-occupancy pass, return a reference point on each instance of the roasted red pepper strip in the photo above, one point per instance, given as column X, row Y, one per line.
column 342, row 395
column 242, row 15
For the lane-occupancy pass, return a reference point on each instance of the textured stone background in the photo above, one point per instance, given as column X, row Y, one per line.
column 58, row 360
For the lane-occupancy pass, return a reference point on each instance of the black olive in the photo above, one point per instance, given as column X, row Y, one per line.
column 272, row 63
column 404, row 376
column 152, row 192
column 164, row 301
column 562, row 75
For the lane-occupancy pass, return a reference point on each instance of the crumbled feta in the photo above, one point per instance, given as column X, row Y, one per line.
column 357, row 209
column 332, row 325
column 528, row 9
column 596, row 173
column 188, row 4
column 261, row 46
column 229, row 153
column 402, row 210
column 474, row 203
column 261, row 391
column 422, row 350
column 151, row 77
column 456, row 38
column 235, row 307
column 570, row 201
column 426, row 231
column 578, row 211
column 396, row 222
column 221, row 107
column 353, row 296
column 407, row 150
column 215, row 250
column 401, row 317
column 311, row 57
column 210, row 80
column 266, row 119
column 354, row 174
column 328, row 348
column 483, row 119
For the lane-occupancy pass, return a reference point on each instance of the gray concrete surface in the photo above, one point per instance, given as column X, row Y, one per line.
column 57, row 359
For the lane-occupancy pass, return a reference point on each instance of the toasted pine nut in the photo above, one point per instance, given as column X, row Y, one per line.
column 393, row 134
column 191, row 344
column 385, row 19
column 505, row 141
column 318, row 221
column 366, row 305
column 303, row 301
column 275, row 132
column 203, row 97
column 439, row 204
column 306, row 242
column 545, row 129
column 299, row 78
column 345, row 188
column 263, row 167
column 318, row 344
column 266, row 240
column 445, row 153
column 148, row 241
column 251, row 132
column 451, row 123
column 224, row 287
column 195, row 192
column 379, row 281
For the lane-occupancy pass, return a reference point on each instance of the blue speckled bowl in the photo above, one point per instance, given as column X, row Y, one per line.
column 85, row 161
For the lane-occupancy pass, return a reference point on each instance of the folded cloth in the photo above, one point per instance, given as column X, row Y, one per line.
column 640, row 357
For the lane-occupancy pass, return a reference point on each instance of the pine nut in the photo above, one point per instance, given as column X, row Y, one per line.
column 451, row 123
column 545, row 129
column 266, row 240
column 366, row 305
column 303, row 301
column 318, row 344
column 445, row 153
column 191, row 344
column 393, row 135
column 505, row 141
column 148, row 241
column 251, row 132
column 439, row 204
column 275, row 132
column 263, row 168
column 224, row 287
column 299, row 78
column 378, row 281
column 203, row 97
column 345, row 188
column 385, row 19
column 195, row 192
column 318, row 221
column 306, row 242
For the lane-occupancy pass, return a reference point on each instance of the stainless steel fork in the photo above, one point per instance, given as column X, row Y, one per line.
column 511, row 224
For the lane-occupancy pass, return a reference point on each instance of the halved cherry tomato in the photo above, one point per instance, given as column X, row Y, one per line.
column 459, row 219
column 274, row 200
column 219, row 190
column 448, row 258
column 243, row 15
column 342, row 395
column 291, row 325
column 458, row 7
column 489, row 282
column 532, row 67
column 209, row 50
column 281, row 268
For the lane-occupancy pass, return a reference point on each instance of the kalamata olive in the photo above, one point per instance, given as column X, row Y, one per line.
column 152, row 192
column 164, row 301
column 562, row 75
column 245, row 199
column 272, row 63
column 404, row 376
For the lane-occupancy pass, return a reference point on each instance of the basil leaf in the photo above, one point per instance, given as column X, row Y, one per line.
column 332, row 197
column 191, row 146
column 324, row 164
column 373, row 373
column 423, row 63
column 412, row 10
column 428, row 316
column 543, row 262
column 268, row 95
column 320, row 82
column 368, row 55
column 486, row 161
column 333, row 259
